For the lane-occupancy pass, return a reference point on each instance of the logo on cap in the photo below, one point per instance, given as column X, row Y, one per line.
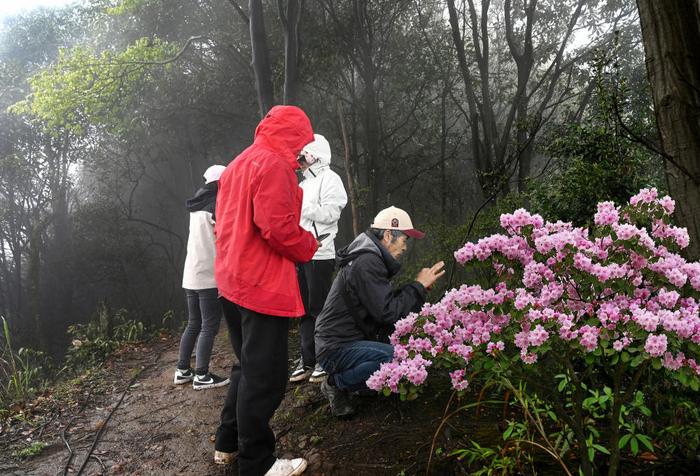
column 394, row 222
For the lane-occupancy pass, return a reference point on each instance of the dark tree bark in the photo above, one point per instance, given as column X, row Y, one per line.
column 261, row 58
column 671, row 34
column 57, row 277
column 290, row 22
column 350, row 176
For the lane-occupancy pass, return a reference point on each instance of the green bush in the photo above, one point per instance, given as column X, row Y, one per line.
column 93, row 342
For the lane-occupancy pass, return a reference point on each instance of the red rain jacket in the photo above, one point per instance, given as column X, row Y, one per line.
column 258, row 207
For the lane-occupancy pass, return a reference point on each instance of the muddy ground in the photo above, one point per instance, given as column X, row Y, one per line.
column 154, row 427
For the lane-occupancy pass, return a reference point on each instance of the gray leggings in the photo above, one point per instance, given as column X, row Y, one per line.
column 204, row 311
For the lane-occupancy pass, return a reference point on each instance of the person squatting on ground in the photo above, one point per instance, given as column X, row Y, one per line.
column 203, row 306
column 258, row 242
column 362, row 304
column 324, row 200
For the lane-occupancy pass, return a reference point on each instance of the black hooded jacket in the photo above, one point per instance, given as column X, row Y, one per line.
column 204, row 199
column 361, row 300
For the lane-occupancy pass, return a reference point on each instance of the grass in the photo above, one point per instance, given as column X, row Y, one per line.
column 32, row 450
column 20, row 371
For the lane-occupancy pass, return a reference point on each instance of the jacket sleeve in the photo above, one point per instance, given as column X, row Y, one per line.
column 374, row 291
column 331, row 201
column 275, row 205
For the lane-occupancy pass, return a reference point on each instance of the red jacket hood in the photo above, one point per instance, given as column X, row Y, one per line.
column 285, row 130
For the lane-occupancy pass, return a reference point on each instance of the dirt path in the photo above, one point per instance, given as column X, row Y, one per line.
column 162, row 429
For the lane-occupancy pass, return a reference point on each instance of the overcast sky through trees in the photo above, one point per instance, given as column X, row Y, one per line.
column 13, row 7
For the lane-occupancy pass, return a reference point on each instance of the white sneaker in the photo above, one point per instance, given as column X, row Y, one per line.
column 208, row 380
column 183, row 376
column 300, row 373
column 287, row 467
column 318, row 375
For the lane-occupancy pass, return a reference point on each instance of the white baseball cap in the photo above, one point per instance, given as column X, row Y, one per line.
column 213, row 173
column 393, row 218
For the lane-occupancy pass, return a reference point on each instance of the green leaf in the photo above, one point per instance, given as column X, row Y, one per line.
column 386, row 391
column 646, row 441
column 601, row 448
column 624, row 440
column 656, row 364
column 634, row 446
column 625, row 356
column 562, row 385
column 636, row 361
column 508, row 432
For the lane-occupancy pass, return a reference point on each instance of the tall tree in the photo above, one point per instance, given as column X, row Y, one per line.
column 504, row 115
column 671, row 33
column 290, row 17
column 261, row 57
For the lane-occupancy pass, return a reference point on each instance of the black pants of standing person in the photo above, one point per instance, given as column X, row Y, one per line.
column 315, row 279
column 258, row 382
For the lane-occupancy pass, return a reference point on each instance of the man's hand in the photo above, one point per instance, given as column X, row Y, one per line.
column 428, row 276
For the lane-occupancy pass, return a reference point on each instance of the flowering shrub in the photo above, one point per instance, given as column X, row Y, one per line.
column 617, row 297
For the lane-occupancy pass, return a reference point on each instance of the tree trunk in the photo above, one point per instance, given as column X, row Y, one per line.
column 34, row 288
column 377, row 166
column 349, row 174
column 261, row 58
column 671, row 34
column 291, row 50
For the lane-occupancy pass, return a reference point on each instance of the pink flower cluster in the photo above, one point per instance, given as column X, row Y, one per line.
column 655, row 345
column 645, row 195
column 618, row 285
column 607, row 214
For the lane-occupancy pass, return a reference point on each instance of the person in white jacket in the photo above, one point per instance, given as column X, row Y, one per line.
column 203, row 306
column 324, row 200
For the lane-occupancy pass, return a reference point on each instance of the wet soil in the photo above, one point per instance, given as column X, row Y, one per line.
column 146, row 425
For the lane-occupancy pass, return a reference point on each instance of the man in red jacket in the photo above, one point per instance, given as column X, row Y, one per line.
column 258, row 242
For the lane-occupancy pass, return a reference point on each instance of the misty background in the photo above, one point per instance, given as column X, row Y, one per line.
column 110, row 111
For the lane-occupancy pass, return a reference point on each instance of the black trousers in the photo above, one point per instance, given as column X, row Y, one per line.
column 257, row 387
column 315, row 279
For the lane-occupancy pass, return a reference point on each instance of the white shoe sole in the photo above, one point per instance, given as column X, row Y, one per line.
column 299, row 378
column 213, row 385
column 300, row 469
column 177, row 381
column 223, row 458
column 318, row 379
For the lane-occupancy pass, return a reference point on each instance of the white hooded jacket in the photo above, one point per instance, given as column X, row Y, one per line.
column 324, row 197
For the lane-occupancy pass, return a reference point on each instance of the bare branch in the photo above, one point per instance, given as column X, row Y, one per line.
column 240, row 11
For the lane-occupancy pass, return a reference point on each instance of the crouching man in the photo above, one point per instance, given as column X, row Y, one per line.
column 362, row 304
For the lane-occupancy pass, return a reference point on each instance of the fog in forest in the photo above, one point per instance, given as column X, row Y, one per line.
column 112, row 110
